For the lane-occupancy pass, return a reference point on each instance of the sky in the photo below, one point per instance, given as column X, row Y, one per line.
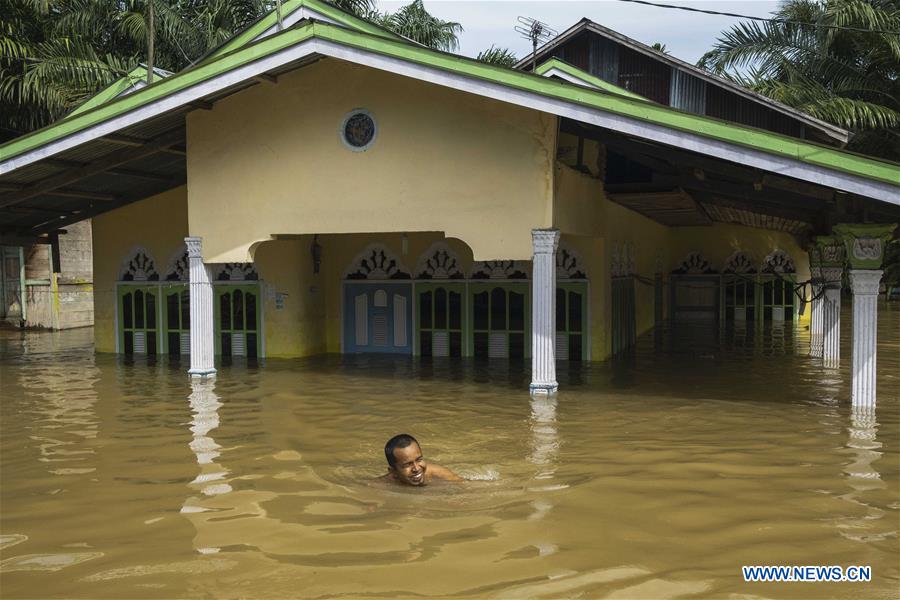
column 686, row 35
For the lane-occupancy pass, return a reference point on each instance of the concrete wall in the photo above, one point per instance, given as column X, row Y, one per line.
column 61, row 300
column 443, row 160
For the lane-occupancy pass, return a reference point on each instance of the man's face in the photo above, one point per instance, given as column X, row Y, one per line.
column 409, row 465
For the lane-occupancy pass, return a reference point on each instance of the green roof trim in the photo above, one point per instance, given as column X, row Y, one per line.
column 287, row 8
column 592, row 80
column 639, row 109
column 111, row 91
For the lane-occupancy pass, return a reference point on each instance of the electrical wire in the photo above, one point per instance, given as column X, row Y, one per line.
column 768, row 20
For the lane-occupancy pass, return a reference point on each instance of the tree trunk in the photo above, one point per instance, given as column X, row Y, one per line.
column 151, row 33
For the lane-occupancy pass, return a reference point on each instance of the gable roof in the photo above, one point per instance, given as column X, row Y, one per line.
column 134, row 80
column 556, row 67
column 585, row 24
column 294, row 11
column 158, row 111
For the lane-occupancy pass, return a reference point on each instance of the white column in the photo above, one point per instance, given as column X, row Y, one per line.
column 817, row 321
column 864, row 284
column 831, row 317
column 202, row 331
column 543, row 311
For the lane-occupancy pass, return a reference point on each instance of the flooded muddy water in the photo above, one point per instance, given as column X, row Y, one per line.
column 655, row 476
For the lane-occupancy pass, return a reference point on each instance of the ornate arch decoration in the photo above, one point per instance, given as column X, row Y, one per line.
column 376, row 262
column 178, row 269
column 568, row 263
column 439, row 262
column 778, row 261
column 739, row 262
column 139, row 266
column 236, row 272
column 499, row 269
column 694, row 264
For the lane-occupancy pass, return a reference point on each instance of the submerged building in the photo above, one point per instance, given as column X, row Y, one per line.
column 325, row 185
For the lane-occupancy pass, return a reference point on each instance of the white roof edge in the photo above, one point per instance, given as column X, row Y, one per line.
column 555, row 72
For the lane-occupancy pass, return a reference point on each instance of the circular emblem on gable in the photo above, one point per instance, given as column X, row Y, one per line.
column 358, row 130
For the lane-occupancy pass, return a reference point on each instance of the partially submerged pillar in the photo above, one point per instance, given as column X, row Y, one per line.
column 831, row 266
column 816, row 321
column 865, row 250
column 543, row 311
column 202, row 331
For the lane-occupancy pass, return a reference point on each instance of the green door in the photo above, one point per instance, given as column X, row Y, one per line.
column 440, row 316
column 500, row 320
column 177, row 338
column 237, row 320
column 776, row 303
column 738, row 299
column 138, row 317
column 622, row 313
column 571, row 321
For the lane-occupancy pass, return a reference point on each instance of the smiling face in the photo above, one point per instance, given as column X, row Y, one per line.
column 409, row 465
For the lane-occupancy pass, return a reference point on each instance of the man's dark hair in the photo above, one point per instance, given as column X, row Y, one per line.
column 398, row 441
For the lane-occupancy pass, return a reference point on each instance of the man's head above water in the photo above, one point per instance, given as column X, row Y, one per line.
column 405, row 460
column 406, row 465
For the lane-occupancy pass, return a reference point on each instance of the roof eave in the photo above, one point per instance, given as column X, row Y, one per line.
column 831, row 131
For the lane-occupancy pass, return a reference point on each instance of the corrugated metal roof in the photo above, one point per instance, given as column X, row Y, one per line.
column 832, row 131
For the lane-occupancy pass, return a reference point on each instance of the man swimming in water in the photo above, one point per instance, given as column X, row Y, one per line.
column 406, row 465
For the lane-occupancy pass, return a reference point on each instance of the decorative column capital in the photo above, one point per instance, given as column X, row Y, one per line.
column 545, row 241
column 830, row 251
column 865, row 282
column 194, row 245
column 831, row 277
column 864, row 243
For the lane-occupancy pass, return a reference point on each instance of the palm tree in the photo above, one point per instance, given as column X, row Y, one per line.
column 837, row 60
column 413, row 21
column 56, row 53
column 498, row 56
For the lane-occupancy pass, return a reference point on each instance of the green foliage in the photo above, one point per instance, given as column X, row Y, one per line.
column 417, row 24
column 660, row 47
column 848, row 78
column 54, row 54
column 498, row 56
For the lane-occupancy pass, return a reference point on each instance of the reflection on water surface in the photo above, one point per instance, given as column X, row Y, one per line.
column 655, row 476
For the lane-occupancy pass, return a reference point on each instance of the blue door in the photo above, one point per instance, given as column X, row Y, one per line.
column 378, row 317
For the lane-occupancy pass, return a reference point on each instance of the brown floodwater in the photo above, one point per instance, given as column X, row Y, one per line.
column 654, row 476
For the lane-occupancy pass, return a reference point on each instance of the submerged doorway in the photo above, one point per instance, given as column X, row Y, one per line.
column 440, row 309
column 500, row 320
column 378, row 317
column 237, row 320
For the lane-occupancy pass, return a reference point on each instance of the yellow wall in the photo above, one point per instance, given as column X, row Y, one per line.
column 158, row 224
column 719, row 241
column 593, row 226
column 298, row 327
column 443, row 160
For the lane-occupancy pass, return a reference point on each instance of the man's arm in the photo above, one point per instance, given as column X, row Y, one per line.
column 439, row 472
